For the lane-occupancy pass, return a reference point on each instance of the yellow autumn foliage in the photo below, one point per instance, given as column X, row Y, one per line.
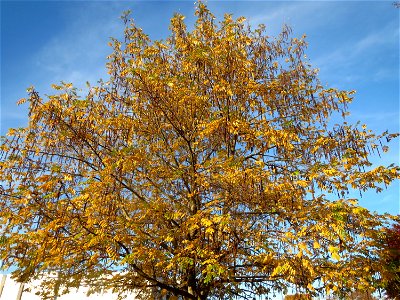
column 205, row 165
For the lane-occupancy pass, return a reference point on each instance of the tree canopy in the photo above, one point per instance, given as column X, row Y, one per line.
column 206, row 167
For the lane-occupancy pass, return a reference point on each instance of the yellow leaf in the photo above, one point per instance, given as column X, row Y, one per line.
column 316, row 245
column 67, row 177
column 302, row 183
column 206, row 222
column 336, row 256
column 210, row 230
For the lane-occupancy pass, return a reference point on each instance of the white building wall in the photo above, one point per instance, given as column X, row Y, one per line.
column 11, row 290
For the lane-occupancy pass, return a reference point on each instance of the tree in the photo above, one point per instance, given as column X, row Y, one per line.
column 206, row 167
column 391, row 259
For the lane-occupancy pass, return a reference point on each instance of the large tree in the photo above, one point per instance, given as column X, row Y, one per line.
column 206, row 167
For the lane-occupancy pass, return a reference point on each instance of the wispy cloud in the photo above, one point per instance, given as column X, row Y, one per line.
column 79, row 53
column 383, row 36
column 293, row 14
column 352, row 52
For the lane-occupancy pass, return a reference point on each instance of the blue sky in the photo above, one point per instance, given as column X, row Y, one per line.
column 354, row 44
